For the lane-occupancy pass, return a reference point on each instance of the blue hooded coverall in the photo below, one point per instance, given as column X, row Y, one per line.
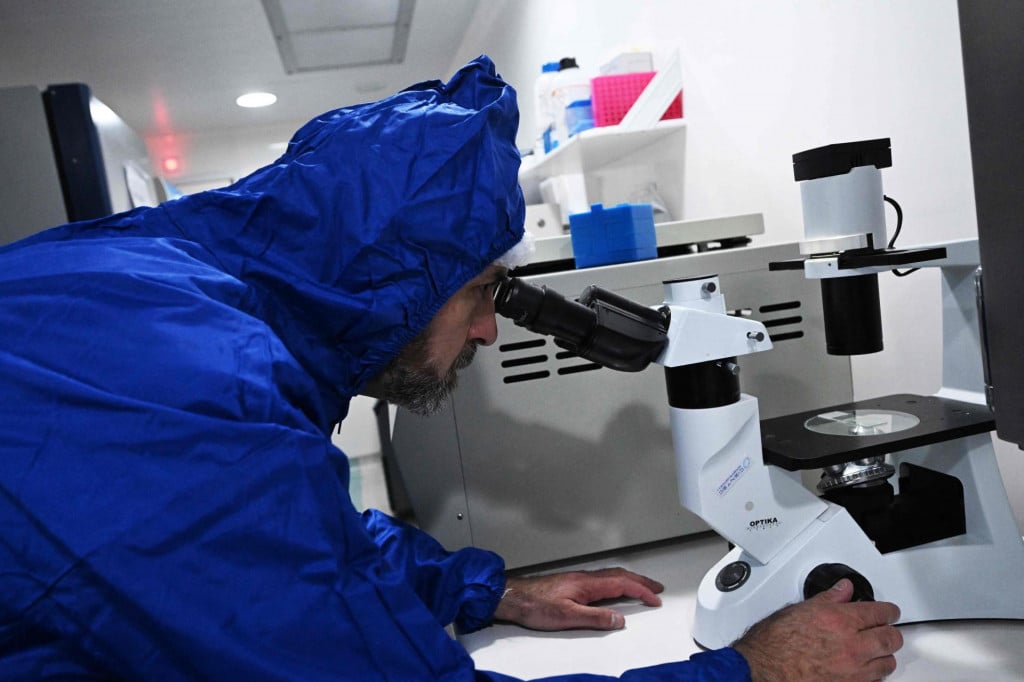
column 171, row 505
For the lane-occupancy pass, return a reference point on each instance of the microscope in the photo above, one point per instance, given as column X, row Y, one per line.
column 910, row 504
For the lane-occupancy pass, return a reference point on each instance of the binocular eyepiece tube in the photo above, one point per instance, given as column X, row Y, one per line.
column 599, row 326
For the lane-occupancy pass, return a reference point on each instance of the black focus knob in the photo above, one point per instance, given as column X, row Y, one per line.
column 823, row 576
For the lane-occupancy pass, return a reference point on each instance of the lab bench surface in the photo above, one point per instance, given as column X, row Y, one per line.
column 940, row 651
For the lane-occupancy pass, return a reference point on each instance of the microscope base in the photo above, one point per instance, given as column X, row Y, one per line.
column 970, row 576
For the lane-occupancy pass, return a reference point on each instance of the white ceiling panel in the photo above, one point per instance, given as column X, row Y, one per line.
column 350, row 47
column 305, row 15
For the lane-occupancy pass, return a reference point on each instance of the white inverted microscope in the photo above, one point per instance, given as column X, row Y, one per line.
column 910, row 504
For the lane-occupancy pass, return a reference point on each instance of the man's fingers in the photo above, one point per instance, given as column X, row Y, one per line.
column 883, row 641
column 618, row 582
column 870, row 614
column 594, row 618
column 881, row 668
column 650, row 584
column 841, row 592
column 612, row 587
column 642, row 592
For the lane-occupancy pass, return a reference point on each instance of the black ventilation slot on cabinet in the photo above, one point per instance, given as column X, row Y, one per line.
column 531, row 376
column 521, row 345
column 778, row 307
column 790, row 321
column 576, row 369
column 511, row 360
column 783, row 321
column 528, row 360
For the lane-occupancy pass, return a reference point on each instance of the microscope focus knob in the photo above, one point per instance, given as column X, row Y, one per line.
column 823, row 576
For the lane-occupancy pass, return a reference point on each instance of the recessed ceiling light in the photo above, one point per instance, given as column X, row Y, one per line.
column 254, row 100
column 171, row 164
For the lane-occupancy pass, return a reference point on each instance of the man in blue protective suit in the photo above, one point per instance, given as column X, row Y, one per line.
column 171, row 505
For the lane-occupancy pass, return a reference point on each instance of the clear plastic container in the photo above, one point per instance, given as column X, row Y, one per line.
column 571, row 84
column 579, row 117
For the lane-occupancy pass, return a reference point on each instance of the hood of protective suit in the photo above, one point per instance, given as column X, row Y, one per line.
column 372, row 219
column 374, row 216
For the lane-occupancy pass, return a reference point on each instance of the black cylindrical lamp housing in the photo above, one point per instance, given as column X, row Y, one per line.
column 853, row 317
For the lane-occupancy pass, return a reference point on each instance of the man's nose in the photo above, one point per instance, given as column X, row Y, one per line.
column 484, row 329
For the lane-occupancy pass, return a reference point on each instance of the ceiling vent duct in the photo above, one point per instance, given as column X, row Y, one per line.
column 319, row 35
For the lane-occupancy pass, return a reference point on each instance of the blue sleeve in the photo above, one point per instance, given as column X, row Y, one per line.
column 462, row 587
column 721, row 665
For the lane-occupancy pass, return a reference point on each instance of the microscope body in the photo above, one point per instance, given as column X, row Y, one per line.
column 790, row 543
column 716, row 429
column 914, row 508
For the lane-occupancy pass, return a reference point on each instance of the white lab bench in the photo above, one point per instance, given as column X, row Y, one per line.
column 972, row 651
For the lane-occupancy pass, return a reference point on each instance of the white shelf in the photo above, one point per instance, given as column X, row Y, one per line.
column 673, row 233
column 612, row 159
column 594, row 148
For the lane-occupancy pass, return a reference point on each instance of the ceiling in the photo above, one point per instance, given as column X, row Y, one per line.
column 174, row 67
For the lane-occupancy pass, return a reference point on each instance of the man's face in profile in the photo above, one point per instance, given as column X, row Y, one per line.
column 425, row 373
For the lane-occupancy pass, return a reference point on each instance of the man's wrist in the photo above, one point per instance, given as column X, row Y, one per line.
column 509, row 604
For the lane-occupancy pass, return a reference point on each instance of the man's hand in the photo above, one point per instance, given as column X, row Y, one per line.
column 561, row 601
column 826, row 637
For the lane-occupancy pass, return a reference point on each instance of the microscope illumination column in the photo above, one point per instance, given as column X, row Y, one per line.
column 844, row 211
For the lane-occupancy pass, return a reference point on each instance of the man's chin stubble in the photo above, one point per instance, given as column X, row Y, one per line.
column 420, row 390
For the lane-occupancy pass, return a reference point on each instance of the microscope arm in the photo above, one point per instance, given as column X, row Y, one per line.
column 721, row 472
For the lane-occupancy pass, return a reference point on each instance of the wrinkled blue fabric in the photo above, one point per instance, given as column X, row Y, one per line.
column 171, row 506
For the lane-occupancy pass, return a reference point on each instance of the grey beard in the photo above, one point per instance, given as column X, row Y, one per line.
column 411, row 382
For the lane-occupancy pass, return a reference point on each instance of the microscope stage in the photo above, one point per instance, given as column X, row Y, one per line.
column 868, row 428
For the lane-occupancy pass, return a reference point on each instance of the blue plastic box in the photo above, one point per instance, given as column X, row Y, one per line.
column 614, row 235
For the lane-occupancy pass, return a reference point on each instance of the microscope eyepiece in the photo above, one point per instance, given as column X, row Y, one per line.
column 544, row 311
column 600, row 326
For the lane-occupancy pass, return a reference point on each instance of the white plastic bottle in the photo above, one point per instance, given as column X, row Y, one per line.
column 543, row 109
column 571, row 85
